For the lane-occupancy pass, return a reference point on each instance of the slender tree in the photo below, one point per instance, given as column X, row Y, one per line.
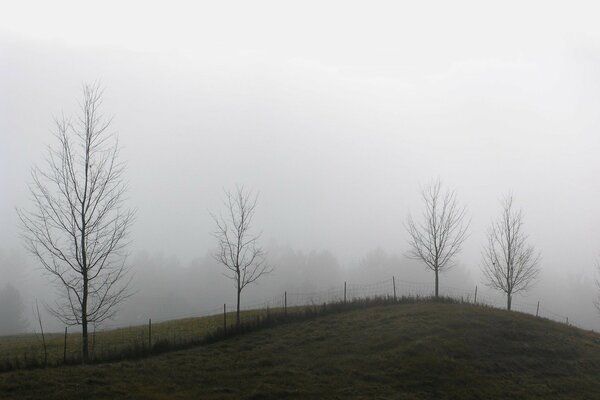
column 78, row 225
column 238, row 249
column 38, row 317
column 509, row 264
column 438, row 237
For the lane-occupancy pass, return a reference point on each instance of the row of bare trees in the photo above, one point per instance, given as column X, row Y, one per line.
column 78, row 227
column 509, row 263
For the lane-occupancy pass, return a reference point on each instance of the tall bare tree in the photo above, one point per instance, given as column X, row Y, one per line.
column 509, row 263
column 438, row 237
column 78, row 225
column 238, row 250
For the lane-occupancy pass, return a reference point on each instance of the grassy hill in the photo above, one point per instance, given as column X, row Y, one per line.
column 409, row 351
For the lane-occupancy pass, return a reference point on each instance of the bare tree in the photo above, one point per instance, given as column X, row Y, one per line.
column 238, row 249
column 38, row 317
column 440, row 234
column 509, row 264
column 78, row 226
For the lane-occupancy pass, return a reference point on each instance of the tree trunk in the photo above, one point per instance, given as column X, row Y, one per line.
column 508, row 301
column 84, row 324
column 237, row 313
column 437, row 282
column 84, row 266
column 84, row 342
column 84, row 299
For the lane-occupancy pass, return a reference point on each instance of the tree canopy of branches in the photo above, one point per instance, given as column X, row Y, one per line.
column 438, row 237
column 238, row 250
column 78, row 225
column 509, row 263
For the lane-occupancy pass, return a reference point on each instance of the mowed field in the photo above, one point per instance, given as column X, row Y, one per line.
column 406, row 351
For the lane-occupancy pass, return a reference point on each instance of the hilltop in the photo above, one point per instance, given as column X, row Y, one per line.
column 406, row 351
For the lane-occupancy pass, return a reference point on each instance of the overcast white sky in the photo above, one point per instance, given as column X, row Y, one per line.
column 336, row 112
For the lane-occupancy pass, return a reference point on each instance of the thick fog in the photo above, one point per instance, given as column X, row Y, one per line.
column 336, row 114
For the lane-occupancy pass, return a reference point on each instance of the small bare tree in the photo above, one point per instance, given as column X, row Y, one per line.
column 238, row 249
column 78, row 227
column 439, row 236
column 38, row 317
column 509, row 264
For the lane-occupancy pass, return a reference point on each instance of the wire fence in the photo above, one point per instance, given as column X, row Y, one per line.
column 108, row 344
column 400, row 288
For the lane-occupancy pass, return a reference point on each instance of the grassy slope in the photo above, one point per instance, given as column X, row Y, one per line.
column 112, row 341
column 420, row 351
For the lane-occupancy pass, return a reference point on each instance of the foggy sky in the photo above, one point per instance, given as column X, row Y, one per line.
column 336, row 112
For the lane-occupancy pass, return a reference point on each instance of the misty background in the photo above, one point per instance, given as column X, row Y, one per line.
column 337, row 114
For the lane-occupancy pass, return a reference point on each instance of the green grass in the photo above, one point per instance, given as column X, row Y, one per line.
column 406, row 351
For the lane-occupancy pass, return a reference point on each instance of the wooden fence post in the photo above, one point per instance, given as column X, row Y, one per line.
column 285, row 302
column 224, row 318
column 344, row 291
column 65, row 348
column 394, row 284
column 475, row 301
column 537, row 311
